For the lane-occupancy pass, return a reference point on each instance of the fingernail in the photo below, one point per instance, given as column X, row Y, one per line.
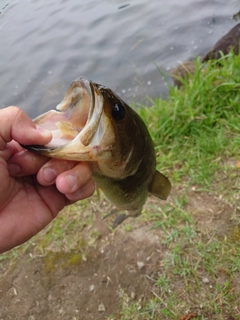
column 72, row 181
column 49, row 175
column 13, row 169
column 44, row 132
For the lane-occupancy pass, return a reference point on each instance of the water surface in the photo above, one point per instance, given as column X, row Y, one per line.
column 47, row 44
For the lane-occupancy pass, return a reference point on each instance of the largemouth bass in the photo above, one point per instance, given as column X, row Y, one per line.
column 93, row 124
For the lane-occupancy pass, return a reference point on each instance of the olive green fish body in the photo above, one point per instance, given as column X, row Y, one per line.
column 130, row 192
column 93, row 124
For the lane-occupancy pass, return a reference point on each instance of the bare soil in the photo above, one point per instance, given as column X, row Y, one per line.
column 90, row 286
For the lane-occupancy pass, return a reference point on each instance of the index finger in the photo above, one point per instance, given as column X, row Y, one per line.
column 15, row 124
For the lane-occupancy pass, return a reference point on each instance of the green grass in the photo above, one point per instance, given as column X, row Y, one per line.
column 198, row 123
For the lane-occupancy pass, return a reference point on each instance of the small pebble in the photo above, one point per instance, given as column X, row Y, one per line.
column 61, row 311
column 205, row 280
column 133, row 295
column 101, row 308
column 140, row 265
column 92, row 287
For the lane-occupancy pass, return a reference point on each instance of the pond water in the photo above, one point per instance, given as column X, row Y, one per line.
column 44, row 45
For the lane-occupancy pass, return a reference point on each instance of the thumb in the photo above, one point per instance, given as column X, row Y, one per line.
column 15, row 124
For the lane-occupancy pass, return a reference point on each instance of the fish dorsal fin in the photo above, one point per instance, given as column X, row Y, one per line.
column 160, row 186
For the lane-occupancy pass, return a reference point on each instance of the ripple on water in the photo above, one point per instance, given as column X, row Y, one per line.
column 52, row 42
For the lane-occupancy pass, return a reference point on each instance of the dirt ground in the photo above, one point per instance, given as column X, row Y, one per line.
column 72, row 287
column 86, row 290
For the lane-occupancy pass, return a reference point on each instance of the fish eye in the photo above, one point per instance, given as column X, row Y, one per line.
column 118, row 112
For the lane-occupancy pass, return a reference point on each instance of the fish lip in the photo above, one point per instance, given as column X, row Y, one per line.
column 94, row 113
column 85, row 84
column 90, row 88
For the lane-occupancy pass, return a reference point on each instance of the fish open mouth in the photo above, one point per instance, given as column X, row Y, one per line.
column 80, row 129
column 77, row 114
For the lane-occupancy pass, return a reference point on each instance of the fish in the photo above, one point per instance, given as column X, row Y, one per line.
column 94, row 124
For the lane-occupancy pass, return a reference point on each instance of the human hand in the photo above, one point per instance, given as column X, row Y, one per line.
column 33, row 189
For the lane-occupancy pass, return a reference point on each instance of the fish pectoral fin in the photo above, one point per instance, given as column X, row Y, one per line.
column 112, row 212
column 122, row 216
column 119, row 219
column 100, row 194
column 160, row 186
